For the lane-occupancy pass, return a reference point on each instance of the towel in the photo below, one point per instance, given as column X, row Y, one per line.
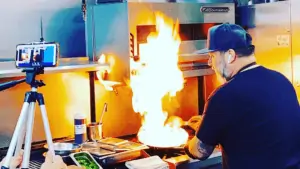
column 153, row 162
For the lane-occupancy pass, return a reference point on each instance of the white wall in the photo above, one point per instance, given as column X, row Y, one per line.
column 20, row 20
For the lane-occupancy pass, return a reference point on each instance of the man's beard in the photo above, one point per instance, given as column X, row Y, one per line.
column 222, row 75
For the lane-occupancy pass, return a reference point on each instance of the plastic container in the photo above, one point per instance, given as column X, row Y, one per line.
column 80, row 128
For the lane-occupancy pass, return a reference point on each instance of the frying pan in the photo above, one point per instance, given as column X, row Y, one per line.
column 165, row 148
column 190, row 126
column 164, row 152
column 178, row 148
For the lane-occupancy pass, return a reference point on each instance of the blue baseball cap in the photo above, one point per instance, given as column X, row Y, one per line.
column 226, row 36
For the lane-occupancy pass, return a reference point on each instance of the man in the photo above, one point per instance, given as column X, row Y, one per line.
column 254, row 116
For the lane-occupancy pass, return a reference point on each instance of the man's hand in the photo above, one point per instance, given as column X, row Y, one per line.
column 15, row 161
column 194, row 122
column 57, row 162
column 196, row 149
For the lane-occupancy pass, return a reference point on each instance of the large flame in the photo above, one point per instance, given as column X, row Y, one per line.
column 157, row 75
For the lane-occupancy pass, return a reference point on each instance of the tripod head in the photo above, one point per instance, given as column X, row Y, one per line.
column 30, row 79
column 31, row 74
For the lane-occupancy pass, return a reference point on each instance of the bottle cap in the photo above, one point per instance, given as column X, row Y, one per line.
column 79, row 116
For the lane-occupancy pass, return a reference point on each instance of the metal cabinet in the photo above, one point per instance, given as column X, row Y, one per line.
column 271, row 35
column 275, row 29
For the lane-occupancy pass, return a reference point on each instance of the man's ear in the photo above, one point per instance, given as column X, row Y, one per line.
column 231, row 56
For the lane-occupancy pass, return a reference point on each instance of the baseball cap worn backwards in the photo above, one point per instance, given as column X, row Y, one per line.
column 226, row 36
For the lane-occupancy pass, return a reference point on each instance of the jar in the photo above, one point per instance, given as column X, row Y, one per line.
column 80, row 128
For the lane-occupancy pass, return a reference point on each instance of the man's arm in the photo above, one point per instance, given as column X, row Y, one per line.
column 216, row 117
column 198, row 150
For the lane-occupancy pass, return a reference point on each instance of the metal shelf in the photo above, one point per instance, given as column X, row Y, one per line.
column 82, row 64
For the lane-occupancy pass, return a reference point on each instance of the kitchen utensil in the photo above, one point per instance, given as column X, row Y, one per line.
column 89, row 145
column 113, row 141
column 65, row 148
column 96, row 149
column 100, row 152
column 103, row 112
column 94, row 131
column 121, row 157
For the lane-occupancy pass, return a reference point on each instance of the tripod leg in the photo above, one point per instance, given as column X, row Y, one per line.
column 22, row 135
column 41, row 102
column 17, row 131
column 28, row 137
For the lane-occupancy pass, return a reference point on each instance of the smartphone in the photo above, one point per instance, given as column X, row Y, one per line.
column 37, row 55
column 86, row 160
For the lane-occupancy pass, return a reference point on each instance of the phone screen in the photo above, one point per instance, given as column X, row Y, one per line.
column 34, row 55
column 85, row 160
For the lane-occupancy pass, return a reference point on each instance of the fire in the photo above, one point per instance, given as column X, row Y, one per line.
column 157, row 75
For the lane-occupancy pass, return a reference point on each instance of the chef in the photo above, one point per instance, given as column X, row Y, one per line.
column 254, row 116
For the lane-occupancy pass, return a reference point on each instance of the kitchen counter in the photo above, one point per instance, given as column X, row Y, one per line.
column 176, row 162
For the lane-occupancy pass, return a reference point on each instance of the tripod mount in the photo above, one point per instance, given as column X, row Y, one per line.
column 31, row 73
column 24, row 128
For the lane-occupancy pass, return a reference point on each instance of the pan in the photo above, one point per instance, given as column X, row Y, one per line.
column 157, row 147
column 165, row 152
column 166, row 147
column 190, row 127
column 65, row 148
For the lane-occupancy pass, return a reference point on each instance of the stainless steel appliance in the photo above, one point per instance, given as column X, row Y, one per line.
column 119, row 28
column 275, row 28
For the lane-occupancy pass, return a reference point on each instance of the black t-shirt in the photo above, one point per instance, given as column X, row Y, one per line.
column 255, row 117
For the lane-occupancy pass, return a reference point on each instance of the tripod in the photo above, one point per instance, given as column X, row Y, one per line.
column 24, row 127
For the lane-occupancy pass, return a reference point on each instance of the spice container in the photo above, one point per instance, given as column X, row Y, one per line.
column 80, row 128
